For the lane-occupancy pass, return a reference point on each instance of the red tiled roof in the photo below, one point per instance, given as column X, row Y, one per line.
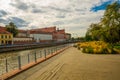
column 39, row 32
column 1, row 27
column 47, row 29
column 3, row 30
column 22, row 31
column 61, row 31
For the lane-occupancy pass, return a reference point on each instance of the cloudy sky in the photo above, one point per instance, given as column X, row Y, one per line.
column 74, row 16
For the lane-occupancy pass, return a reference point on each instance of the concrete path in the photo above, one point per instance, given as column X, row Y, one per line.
column 74, row 65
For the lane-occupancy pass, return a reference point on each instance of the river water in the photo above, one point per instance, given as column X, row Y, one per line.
column 15, row 59
column 20, row 53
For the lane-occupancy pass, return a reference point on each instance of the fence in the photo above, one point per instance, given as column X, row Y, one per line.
column 12, row 63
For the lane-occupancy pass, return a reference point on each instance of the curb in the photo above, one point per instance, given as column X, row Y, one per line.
column 31, row 64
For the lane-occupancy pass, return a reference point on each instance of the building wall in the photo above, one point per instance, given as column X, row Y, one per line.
column 68, row 36
column 39, row 37
column 59, row 36
column 22, row 39
column 22, row 34
column 6, row 39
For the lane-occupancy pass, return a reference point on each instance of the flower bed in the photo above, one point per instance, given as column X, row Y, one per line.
column 96, row 47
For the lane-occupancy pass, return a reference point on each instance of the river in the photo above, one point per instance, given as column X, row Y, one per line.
column 20, row 53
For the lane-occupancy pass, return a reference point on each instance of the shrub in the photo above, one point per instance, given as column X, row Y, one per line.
column 78, row 47
column 104, row 51
column 96, row 47
column 75, row 45
column 89, row 49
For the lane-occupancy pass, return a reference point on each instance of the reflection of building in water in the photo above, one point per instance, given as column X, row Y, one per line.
column 6, row 37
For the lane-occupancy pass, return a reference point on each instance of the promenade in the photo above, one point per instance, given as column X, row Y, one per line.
column 72, row 64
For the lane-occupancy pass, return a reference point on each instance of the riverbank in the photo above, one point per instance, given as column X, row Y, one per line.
column 31, row 61
column 75, row 65
column 28, row 46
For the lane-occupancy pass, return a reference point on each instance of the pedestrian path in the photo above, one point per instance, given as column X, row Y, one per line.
column 72, row 64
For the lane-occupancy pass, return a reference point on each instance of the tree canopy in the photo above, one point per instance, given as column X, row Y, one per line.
column 108, row 29
column 12, row 28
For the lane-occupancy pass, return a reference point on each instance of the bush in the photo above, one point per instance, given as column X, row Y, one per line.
column 89, row 49
column 96, row 47
column 84, row 50
column 78, row 47
column 75, row 45
column 104, row 51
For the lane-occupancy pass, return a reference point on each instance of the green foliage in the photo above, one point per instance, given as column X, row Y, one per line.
column 108, row 29
column 75, row 45
column 117, row 47
column 97, row 47
column 88, row 49
column 78, row 48
column 11, row 27
column 104, row 51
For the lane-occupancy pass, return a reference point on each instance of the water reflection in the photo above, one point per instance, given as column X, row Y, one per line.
column 17, row 53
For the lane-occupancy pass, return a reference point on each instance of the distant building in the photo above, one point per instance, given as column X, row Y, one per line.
column 57, row 35
column 68, row 36
column 46, row 29
column 48, row 34
column 23, row 38
column 22, row 33
column 6, row 38
column 40, row 36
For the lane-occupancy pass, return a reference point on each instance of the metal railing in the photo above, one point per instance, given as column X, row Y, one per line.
column 12, row 63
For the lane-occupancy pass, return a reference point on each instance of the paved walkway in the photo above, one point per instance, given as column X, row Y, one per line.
column 74, row 65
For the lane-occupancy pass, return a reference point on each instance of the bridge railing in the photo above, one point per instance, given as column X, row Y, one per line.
column 12, row 63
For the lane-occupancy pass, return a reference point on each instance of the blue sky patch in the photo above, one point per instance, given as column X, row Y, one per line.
column 102, row 6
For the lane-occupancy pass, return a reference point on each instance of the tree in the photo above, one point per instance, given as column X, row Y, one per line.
column 12, row 28
column 111, row 23
column 108, row 29
column 93, row 32
column 111, row 16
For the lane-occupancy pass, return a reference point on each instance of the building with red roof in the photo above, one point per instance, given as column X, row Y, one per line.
column 5, row 36
column 57, row 35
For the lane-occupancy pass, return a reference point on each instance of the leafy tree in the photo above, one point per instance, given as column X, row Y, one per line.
column 12, row 28
column 108, row 29
column 93, row 32
column 111, row 23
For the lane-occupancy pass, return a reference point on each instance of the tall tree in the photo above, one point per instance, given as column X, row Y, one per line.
column 11, row 27
column 111, row 16
column 111, row 23
column 94, row 32
column 108, row 29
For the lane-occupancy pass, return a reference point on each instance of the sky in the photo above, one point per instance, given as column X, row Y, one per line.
column 74, row 16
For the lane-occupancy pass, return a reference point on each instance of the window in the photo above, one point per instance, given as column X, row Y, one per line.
column 6, row 42
column 2, row 42
column 9, row 36
column 5, row 36
column 2, row 36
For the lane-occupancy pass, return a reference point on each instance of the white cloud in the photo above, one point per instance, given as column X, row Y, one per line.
column 73, row 15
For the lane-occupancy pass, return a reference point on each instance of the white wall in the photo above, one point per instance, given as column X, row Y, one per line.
column 22, row 34
column 60, row 40
column 22, row 39
column 39, row 37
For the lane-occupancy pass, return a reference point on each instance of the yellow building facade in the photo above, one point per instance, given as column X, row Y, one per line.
column 6, row 39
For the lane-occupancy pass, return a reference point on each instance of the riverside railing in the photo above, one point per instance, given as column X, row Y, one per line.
column 12, row 63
